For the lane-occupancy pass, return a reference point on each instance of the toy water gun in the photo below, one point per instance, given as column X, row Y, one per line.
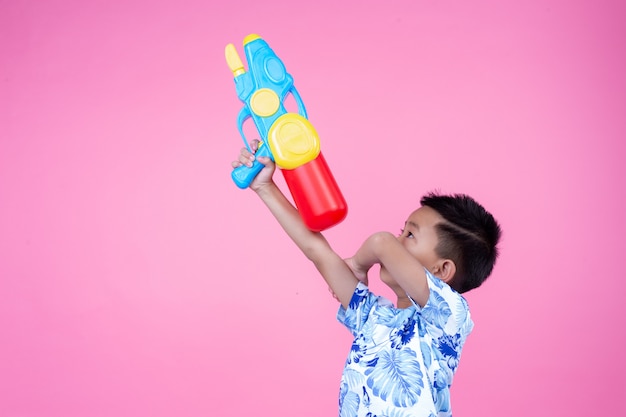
column 287, row 138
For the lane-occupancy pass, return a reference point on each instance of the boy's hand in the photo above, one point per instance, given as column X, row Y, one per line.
column 359, row 272
column 247, row 158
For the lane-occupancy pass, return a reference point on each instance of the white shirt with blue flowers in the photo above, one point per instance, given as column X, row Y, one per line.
column 402, row 360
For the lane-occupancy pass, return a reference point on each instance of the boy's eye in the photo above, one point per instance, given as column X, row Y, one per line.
column 408, row 234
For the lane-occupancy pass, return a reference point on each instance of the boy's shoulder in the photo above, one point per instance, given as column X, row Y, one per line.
column 446, row 309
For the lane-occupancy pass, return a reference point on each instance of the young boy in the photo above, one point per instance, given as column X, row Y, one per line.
column 403, row 357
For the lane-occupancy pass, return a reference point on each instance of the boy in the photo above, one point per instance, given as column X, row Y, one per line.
column 403, row 357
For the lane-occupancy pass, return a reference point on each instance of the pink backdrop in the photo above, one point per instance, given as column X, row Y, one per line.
column 137, row 280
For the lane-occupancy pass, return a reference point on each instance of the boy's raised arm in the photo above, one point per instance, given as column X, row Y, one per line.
column 384, row 248
column 314, row 245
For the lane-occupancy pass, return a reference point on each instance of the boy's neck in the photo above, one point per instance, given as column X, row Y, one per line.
column 403, row 302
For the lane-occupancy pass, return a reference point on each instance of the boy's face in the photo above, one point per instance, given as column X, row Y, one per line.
column 419, row 236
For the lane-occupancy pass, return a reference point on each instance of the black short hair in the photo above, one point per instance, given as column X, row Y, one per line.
column 468, row 236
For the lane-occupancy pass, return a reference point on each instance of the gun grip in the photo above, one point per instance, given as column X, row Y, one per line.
column 243, row 175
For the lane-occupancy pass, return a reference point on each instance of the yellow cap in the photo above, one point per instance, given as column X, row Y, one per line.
column 251, row 37
column 264, row 102
column 293, row 141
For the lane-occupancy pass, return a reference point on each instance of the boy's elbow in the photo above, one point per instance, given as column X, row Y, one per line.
column 382, row 241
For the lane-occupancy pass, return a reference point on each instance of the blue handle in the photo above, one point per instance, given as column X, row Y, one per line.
column 243, row 175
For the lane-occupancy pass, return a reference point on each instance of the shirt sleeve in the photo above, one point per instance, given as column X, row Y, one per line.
column 446, row 312
column 355, row 316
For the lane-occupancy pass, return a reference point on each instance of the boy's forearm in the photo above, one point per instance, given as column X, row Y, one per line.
column 368, row 255
column 384, row 248
column 288, row 217
column 313, row 244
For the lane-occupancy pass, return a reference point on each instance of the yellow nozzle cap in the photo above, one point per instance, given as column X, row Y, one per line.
column 251, row 37
column 233, row 60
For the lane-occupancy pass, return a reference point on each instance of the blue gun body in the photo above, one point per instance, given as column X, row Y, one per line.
column 265, row 71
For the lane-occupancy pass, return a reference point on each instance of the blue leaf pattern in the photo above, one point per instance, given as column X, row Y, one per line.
column 402, row 361
column 358, row 350
column 403, row 335
column 442, row 391
column 437, row 311
column 450, row 349
column 366, row 398
column 399, row 413
column 397, row 375
column 349, row 404
column 352, row 379
column 426, row 352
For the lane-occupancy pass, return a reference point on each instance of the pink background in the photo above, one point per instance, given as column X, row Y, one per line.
column 137, row 280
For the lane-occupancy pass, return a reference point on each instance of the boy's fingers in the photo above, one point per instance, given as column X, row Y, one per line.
column 245, row 157
column 245, row 152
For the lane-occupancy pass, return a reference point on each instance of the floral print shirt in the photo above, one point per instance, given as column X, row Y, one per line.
column 402, row 361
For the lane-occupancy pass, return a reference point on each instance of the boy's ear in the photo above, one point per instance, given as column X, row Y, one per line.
column 445, row 270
